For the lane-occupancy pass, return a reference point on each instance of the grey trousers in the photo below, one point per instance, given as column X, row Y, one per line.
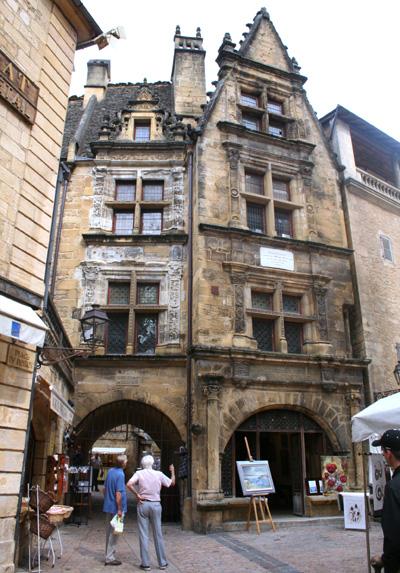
column 149, row 512
column 111, row 539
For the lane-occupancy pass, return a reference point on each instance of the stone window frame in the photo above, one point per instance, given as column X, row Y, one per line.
column 266, row 117
column 139, row 204
column 133, row 307
column 268, row 200
column 277, row 291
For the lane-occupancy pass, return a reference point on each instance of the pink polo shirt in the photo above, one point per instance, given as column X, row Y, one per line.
column 149, row 483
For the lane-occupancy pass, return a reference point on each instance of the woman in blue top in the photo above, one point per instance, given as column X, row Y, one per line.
column 114, row 502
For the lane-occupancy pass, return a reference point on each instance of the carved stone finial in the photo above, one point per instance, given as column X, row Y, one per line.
column 198, row 32
column 178, row 31
column 145, row 80
column 295, row 65
column 227, row 37
column 264, row 12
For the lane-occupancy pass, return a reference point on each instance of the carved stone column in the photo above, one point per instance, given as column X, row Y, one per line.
column 240, row 337
column 321, row 343
column 211, row 389
column 233, row 155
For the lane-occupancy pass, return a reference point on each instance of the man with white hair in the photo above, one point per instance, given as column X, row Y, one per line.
column 148, row 484
column 114, row 502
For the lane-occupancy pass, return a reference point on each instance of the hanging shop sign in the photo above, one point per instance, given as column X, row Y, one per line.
column 17, row 89
column 60, row 406
column 276, row 258
column 21, row 322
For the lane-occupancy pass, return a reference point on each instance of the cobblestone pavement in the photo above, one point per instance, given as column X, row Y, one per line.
column 299, row 547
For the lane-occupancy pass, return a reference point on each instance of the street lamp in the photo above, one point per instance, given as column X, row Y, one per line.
column 93, row 325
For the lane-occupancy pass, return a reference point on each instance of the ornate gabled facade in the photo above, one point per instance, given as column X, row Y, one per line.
column 371, row 177
column 213, row 234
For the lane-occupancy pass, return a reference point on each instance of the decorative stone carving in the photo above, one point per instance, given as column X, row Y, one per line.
column 178, row 200
column 90, row 274
column 174, row 296
column 320, row 293
column 239, row 280
column 212, row 386
column 241, row 374
column 233, row 157
column 98, row 211
column 328, row 380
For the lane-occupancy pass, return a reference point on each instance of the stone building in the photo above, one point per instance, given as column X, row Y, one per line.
column 211, row 229
column 37, row 47
column 371, row 175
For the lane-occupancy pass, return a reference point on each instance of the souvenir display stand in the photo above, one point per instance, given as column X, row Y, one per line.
column 79, row 494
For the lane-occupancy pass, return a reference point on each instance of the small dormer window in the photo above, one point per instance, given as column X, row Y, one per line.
column 142, row 130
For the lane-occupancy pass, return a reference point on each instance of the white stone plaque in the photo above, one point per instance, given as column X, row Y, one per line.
column 276, row 258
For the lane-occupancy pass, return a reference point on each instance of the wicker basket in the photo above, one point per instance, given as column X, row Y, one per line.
column 45, row 501
column 45, row 527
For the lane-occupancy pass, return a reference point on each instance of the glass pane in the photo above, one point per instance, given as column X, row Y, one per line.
column 125, row 190
column 147, row 294
column 142, row 131
column 263, row 332
column 256, row 217
column 151, row 222
column 275, row 107
column 248, row 99
column 117, row 331
column 280, row 189
column 118, row 293
column 123, row 222
column 146, row 333
column 276, row 129
column 251, row 122
column 386, row 248
column 255, row 183
column 261, row 300
column 294, row 337
column 153, row 191
column 283, row 223
column 291, row 303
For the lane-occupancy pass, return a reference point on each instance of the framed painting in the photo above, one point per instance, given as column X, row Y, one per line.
column 255, row 478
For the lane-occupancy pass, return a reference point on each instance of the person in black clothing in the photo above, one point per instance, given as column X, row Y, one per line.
column 390, row 444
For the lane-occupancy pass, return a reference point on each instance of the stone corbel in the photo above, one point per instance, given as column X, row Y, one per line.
column 211, row 386
column 328, row 380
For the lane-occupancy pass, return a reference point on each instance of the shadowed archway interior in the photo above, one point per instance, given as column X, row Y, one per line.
column 161, row 429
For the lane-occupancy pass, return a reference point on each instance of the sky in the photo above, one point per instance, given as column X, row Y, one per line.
column 348, row 49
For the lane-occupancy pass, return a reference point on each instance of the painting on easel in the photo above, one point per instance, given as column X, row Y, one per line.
column 255, row 478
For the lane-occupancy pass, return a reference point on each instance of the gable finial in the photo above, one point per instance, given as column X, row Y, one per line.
column 178, row 30
column 198, row 32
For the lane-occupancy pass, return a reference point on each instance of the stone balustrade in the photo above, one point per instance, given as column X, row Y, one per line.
column 380, row 186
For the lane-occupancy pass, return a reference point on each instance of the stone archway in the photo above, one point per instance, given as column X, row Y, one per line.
column 154, row 422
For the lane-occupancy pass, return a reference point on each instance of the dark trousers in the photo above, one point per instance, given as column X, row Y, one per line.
column 95, row 476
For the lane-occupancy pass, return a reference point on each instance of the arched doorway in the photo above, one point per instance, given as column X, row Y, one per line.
column 291, row 441
column 148, row 419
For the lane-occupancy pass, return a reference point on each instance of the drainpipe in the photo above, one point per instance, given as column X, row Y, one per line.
column 189, row 359
column 66, row 173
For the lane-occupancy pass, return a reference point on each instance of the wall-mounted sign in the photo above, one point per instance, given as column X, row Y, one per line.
column 276, row 258
column 21, row 358
column 61, row 407
column 17, row 89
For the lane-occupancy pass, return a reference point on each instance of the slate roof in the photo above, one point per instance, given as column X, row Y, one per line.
column 116, row 99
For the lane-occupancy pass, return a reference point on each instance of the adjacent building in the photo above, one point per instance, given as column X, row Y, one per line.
column 37, row 47
column 371, row 192
column 212, row 230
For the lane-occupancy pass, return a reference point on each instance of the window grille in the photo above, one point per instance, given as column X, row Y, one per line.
column 151, row 222
column 118, row 293
column 153, row 190
column 125, row 190
column 291, row 303
column 275, row 107
column 147, row 293
column 263, row 332
column 255, row 183
column 117, row 332
column 261, row 300
column 283, row 223
column 142, row 131
column 146, row 333
column 123, row 222
column 276, row 129
column 256, row 217
column 294, row 337
column 251, row 122
column 249, row 100
column 386, row 247
column 280, row 190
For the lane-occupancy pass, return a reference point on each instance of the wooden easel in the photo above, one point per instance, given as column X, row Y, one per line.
column 258, row 502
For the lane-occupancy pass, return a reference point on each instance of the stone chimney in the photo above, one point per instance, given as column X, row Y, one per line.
column 188, row 75
column 98, row 77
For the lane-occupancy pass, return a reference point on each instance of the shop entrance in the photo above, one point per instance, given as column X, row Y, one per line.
column 138, row 428
column 291, row 442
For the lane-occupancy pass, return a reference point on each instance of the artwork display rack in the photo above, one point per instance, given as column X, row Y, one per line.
column 258, row 503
